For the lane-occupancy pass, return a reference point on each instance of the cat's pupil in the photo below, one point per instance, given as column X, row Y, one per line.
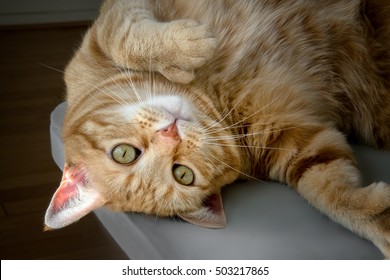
column 125, row 153
column 183, row 175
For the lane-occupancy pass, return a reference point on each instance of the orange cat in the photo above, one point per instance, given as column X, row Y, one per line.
column 168, row 101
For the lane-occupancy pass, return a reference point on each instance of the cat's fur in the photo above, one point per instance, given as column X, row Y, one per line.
column 265, row 89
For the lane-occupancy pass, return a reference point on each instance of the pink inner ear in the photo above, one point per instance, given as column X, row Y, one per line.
column 211, row 215
column 214, row 203
column 67, row 189
column 74, row 199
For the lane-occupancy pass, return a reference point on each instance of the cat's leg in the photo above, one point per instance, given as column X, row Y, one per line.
column 132, row 38
column 319, row 164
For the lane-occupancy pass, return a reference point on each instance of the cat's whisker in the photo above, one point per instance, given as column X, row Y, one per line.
column 151, row 77
column 250, row 146
column 118, row 84
column 248, row 117
column 205, row 154
column 231, row 110
column 240, row 172
column 236, row 127
column 127, row 70
column 240, row 136
column 156, row 216
column 227, row 114
column 130, row 83
column 89, row 84
column 244, row 95
column 118, row 97
column 108, row 92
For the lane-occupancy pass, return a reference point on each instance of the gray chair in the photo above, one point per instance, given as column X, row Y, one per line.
column 264, row 221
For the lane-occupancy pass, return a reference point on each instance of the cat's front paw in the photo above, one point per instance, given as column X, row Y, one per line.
column 188, row 45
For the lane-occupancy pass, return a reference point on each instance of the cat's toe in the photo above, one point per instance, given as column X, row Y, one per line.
column 196, row 38
column 178, row 75
column 190, row 45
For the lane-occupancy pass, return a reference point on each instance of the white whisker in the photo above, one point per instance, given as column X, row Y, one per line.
column 229, row 166
column 128, row 75
column 117, row 96
column 205, row 156
column 249, row 146
column 89, row 84
column 240, row 136
column 227, row 114
column 247, row 117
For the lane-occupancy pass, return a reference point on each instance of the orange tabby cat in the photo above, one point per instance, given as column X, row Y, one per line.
column 168, row 101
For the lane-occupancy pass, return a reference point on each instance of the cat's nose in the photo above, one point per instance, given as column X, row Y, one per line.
column 171, row 132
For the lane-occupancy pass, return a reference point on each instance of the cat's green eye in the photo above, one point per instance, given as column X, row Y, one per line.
column 183, row 175
column 125, row 154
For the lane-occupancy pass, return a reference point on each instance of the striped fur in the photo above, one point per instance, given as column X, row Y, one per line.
column 270, row 89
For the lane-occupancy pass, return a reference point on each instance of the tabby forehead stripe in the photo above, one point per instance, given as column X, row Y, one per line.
column 87, row 138
column 81, row 103
column 80, row 120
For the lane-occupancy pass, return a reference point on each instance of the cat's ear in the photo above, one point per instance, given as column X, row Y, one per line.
column 211, row 215
column 72, row 200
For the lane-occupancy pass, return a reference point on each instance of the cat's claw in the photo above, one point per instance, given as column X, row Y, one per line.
column 189, row 44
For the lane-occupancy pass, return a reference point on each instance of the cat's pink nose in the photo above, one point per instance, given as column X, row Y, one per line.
column 171, row 132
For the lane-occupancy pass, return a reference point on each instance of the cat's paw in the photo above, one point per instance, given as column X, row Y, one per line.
column 188, row 45
column 380, row 215
column 382, row 238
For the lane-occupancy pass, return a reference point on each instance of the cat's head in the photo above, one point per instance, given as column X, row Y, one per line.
column 166, row 154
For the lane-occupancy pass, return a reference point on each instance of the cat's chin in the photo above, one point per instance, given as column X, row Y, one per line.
column 176, row 106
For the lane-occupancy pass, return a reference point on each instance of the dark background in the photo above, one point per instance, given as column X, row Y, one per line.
column 29, row 90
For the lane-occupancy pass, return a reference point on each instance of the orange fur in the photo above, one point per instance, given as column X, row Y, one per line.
column 264, row 89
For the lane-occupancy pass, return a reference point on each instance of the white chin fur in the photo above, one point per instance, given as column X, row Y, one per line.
column 176, row 106
column 173, row 107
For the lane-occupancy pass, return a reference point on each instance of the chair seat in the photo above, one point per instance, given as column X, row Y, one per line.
column 264, row 221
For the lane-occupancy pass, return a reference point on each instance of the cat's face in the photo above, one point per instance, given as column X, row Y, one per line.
column 162, row 155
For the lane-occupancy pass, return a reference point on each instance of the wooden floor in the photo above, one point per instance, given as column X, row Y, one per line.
column 29, row 91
